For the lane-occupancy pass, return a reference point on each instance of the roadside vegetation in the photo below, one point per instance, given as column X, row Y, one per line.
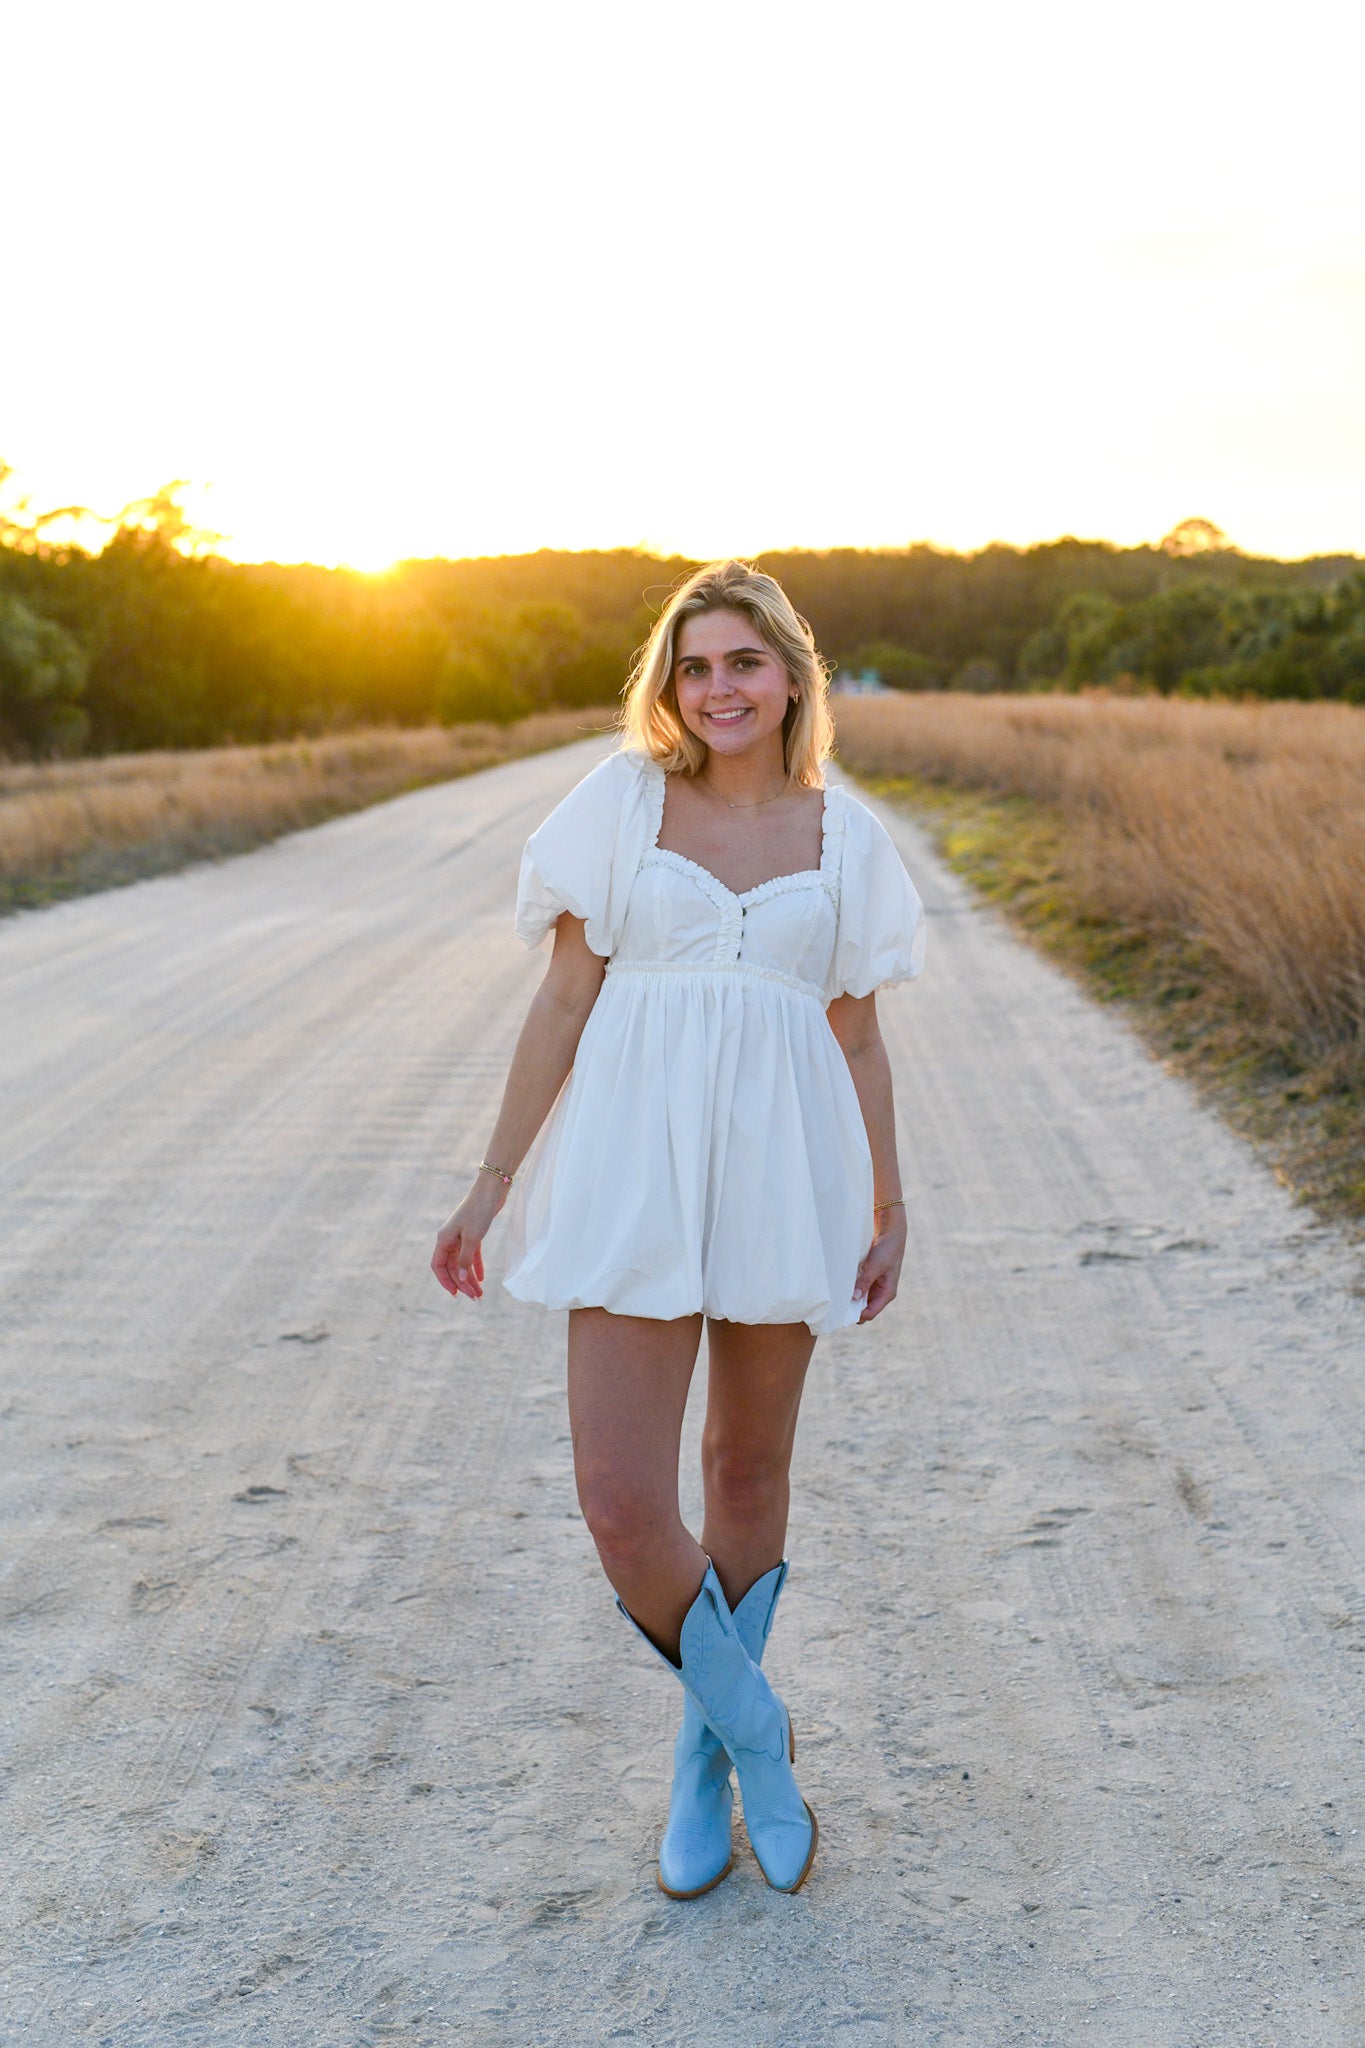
column 68, row 827
column 1202, row 863
column 154, row 641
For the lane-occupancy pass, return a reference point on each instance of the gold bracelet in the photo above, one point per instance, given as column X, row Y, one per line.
column 898, row 1203
column 501, row 1172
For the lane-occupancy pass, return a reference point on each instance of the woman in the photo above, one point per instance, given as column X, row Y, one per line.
column 725, row 1148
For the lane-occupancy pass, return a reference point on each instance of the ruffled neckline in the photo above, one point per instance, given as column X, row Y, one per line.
column 831, row 843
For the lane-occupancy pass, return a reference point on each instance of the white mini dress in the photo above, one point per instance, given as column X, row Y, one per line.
column 708, row 1150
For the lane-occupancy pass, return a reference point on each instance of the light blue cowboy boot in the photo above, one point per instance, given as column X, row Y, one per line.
column 733, row 1697
column 695, row 1852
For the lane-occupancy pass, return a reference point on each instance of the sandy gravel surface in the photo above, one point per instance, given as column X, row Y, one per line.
column 320, row 1726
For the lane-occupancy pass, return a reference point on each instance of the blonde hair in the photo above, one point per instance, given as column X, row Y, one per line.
column 650, row 721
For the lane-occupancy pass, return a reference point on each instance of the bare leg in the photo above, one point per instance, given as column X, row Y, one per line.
column 756, row 1375
column 628, row 1381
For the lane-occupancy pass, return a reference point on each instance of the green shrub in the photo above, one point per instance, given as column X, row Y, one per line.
column 43, row 673
column 470, row 692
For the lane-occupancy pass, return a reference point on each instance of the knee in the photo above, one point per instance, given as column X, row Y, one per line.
column 623, row 1520
column 745, row 1485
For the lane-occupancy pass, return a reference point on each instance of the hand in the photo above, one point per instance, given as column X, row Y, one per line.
column 881, row 1269
column 457, row 1260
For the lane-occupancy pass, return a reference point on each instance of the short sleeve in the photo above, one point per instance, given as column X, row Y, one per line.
column 881, row 918
column 583, row 858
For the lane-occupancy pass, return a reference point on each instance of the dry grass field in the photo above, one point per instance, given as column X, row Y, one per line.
column 1206, row 861
column 71, row 826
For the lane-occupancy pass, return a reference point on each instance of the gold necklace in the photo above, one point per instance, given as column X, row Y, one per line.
column 743, row 807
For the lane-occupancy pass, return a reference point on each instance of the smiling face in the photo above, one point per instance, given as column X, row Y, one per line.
column 732, row 690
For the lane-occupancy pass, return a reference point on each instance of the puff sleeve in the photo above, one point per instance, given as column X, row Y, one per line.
column 881, row 934
column 583, row 858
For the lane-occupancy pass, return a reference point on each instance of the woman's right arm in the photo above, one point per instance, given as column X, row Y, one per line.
column 544, row 1055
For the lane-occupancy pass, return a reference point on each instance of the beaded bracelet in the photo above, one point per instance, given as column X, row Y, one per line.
column 501, row 1172
column 898, row 1203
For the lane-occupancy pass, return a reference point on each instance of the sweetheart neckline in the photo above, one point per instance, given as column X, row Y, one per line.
column 775, row 883
column 685, row 860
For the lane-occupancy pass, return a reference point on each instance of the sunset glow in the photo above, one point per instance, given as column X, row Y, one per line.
column 407, row 281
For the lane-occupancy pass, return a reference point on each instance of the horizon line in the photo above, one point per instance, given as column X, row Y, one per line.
column 650, row 552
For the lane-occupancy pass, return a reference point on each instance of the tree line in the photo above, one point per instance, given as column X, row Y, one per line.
column 156, row 641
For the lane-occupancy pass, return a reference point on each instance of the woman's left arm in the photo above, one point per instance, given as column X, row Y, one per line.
column 853, row 1020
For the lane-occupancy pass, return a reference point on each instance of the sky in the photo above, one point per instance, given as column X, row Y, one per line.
column 432, row 279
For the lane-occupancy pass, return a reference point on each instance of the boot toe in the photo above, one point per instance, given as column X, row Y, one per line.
column 692, row 1860
column 785, row 1850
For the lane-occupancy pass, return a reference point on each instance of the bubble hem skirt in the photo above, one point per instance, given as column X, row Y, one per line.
column 707, row 1154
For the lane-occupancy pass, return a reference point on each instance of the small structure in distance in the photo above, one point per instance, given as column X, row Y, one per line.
column 865, row 683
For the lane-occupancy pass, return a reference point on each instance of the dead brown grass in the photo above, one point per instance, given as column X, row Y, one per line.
column 1241, row 827
column 71, row 826
column 1203, row 865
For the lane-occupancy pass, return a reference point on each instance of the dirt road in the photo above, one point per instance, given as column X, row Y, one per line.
column 320, row 1726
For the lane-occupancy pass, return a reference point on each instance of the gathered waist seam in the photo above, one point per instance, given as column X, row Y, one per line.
column 709, row 967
